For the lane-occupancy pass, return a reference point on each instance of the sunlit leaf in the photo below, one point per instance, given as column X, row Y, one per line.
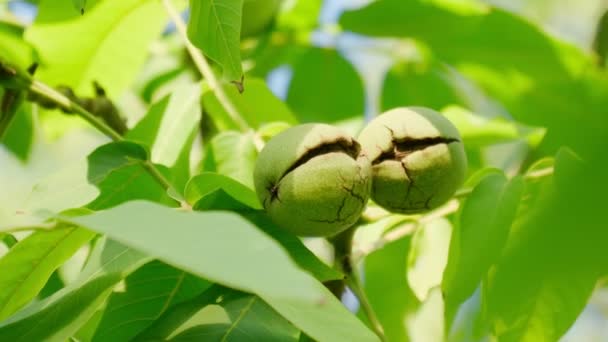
column 232, row 154
column 428, row 256
column 257, row 105
column 215, row 28
column 107, row 45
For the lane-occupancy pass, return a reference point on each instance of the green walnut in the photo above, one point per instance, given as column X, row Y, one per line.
column 258, row 15
column 418, row 159
column 313, row 180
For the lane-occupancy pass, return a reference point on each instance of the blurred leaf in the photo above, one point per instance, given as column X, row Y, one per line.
column 117, row 170
column 15, row 50
column 32, row 261
column 302, row 15
column 252, row 262
column 19, row 135
column 600, row 42
column 426, row 84
column 232, row 154
column 477, row 241
column 65, row 189
column 325, row 87
column 215, row 28
column 548, row 81
column 150, row 292
column 553, row 257
column 50, row 12
column 478, row 35
column 207, row 182
column 480, row 175
column 258, row 16
column 387, row 288
column 428, row 256
column 477, row 131
column 108, row 45
column 80, row 5
column 268, row 131
column 223, row 315
column 257, row 105
column 427, row 324
column 58, row 317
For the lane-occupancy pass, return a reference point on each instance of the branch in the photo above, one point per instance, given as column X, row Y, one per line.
column 24, row 82
column 205, row 69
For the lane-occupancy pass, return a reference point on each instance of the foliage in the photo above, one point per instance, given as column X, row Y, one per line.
column 158, row 233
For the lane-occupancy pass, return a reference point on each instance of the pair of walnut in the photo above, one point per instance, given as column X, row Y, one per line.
column 315, row 180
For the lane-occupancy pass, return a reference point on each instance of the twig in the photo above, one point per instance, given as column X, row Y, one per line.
column 205, row 69
column 354, row 285
column 38, row 88
column 343, row 262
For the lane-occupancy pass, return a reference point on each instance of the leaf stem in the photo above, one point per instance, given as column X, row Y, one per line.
column 205, row 69
column 344, row 263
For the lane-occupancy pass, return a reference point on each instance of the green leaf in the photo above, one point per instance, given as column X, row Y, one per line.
column 232, row 154
column 427, row 323
column 168, row 131
column 428, row 256
column 117, row 170
column 215, row 28
column 32, row 206
column 467, row 35
column 554, row 255
column 150, row 292
column 223, row 315
column 600, row 42
column 294, row 246
column 257, row 105
column 19, row 135
column 207, row 182
column 80, row 5
column 251, row 261
column 477, row 241
column 477, row 131
column 387, row 288
column 15, row 51
column 167, row 126
column 548, row 80
column 32, row 261
column 420, row 83
column 60, row 316
column 268, row 131
column 108, row 45
column 302, row 16
column 325, row 87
